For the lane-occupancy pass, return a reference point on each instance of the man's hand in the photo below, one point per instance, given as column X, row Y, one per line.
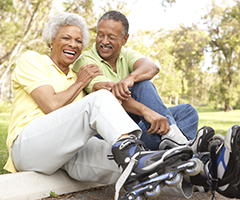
column 121, row 89
column 102, row 85
column 159, row 123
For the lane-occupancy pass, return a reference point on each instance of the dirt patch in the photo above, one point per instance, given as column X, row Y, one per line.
column 107, row 193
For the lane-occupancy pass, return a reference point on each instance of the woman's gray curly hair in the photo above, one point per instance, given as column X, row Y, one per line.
column 64, row 19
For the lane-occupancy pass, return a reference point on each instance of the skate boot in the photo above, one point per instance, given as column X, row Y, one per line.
column 221, row 171
column 145, row 172
column 199, row 144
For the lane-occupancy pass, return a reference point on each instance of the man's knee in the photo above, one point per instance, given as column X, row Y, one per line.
column 191, row 110
column 146, row 86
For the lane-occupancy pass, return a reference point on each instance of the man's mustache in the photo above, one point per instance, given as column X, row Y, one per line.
column 106, row 46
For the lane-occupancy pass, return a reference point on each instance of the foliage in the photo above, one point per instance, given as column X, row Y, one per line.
column 53, row 194
column 5, row 107
column 179, row 52
column 223, row 29
column 21, row 25
column 169, row 78
column 167, row 3
column 188, row 44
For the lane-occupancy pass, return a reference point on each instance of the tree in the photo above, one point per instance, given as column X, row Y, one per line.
column 188, row 45
column 156, row 46
column 223, row 28
column 21, row 24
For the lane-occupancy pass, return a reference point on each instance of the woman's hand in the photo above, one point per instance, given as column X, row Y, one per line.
column 87, row 73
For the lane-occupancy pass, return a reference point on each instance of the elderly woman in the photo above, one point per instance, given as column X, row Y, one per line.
column 53, row 122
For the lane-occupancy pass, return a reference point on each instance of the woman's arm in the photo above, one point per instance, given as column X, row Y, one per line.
column 48, row 100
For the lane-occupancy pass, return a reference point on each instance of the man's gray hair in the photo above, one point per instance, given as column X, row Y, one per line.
column 116, row 16
column 64, row 19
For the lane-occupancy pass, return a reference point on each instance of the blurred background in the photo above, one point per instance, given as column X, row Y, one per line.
column 195, row 43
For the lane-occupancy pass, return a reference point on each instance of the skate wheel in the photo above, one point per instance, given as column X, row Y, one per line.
column 174, row 181
column 196, row 169
column 140, row 197
column 154, row 193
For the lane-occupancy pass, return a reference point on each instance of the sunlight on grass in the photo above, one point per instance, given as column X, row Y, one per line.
column 218, row 120
column 4, row 121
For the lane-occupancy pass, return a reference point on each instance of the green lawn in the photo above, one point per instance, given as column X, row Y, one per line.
column 4, row 121
column 219, row 120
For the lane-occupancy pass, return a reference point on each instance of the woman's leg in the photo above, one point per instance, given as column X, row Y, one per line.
column 49, row 142
column 91, row 163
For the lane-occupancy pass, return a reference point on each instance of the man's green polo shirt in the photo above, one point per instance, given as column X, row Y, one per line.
column 124, row 65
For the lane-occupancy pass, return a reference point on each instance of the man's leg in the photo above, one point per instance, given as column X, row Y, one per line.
column 146, row 93
column 186, row 118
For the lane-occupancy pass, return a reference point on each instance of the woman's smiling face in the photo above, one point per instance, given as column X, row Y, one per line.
column 66, row 46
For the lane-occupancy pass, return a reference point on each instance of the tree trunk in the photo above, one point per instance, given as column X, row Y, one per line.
column 227, row 106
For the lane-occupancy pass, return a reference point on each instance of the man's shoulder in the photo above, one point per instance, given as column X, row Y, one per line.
column 129, row 53
column 86, row 57
column 90, row 54
column 126, row 50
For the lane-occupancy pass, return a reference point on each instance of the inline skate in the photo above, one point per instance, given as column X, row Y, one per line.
column 221, row 166
column 199, row 144
column 146, row 172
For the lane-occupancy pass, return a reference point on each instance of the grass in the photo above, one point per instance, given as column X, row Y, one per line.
column 4, row 121
column 218, row 120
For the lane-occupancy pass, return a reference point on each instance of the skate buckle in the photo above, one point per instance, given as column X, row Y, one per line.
column 186, row 165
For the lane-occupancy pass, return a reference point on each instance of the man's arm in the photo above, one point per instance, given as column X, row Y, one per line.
column 143, row 69
column 159, row 123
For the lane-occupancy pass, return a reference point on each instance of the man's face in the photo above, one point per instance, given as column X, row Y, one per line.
column 109, row 40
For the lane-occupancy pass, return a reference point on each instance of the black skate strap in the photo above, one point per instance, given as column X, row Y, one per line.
column 214, row 178
column 110, row 157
